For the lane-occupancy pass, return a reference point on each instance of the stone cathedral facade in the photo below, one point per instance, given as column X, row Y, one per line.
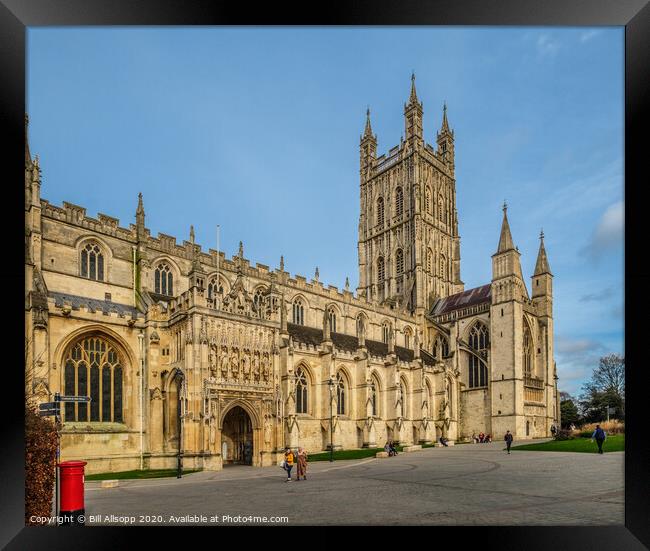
column 185, row 350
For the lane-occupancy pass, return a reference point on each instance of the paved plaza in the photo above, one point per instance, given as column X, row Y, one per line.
column 466, row 484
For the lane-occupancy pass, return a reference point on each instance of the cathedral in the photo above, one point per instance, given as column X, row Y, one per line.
column 186, row 352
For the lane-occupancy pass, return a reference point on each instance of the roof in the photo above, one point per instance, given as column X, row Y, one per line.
column 477, row 295
column 314, row 337
column 92, row 304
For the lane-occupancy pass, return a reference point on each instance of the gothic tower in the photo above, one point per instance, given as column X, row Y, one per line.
column 409, row 246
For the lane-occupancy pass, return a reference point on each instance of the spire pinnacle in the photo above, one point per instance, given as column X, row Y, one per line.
column 445, row 122
column 367, row 133
column 191, row 234
column 413, row 98
column 505, row 240
column 140, row 209
column 541, row 266
column 241, row 251
column 282, row 263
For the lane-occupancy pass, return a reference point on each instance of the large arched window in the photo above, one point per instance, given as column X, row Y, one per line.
column 479, row 341
column 399, row 202
column 440, row 347
column 93, row 368
column 301, row 391
column 407, row 337
column 164, row 280
column 331, row 317
column 527, row 352
column 92, row 262
column 298, row 312
column 380, row 212
column 340, row 394
column 385, row 332
column 258, row 301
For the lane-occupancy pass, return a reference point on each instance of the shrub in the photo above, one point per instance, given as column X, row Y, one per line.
column 564, row 434
column 613, row 426
column 41, row 442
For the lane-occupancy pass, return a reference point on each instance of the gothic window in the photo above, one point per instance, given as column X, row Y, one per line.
column 331, row 316
column 301, row 391
column 258, row 301
column 440, row 347
column 385, row 332
column 427, row 200
column 373, row 397
column 407, row 337
column 164, row 280
column 92, row 368
column 527, row 352
column 340, row 394
column 380, row 212
column 430, row 261
column 92, row 262
column 399, row 202
column 298, row 312
column 443, row 267
column 479, row 341
column 213, row 290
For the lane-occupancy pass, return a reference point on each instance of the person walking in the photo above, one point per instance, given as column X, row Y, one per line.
column 553, row 430
column 289, row 460
column 301, row 465
column 508, row 439
column 600, row 436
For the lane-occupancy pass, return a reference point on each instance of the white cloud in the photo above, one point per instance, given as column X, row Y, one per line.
column 547, row 45
column 609, row 233
column 588, row 35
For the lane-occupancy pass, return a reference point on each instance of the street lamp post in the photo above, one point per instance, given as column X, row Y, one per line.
column 330, row 383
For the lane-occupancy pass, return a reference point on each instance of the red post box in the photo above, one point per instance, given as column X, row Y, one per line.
column 71, row 502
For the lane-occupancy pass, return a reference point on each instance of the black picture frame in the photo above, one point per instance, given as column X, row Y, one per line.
column 17, row 15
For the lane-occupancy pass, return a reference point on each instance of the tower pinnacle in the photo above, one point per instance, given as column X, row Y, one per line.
column 368, row 130
column 413, row 98
column 505, row 240
column 541, row 266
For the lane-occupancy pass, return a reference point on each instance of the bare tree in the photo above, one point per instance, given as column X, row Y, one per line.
column 609, row 376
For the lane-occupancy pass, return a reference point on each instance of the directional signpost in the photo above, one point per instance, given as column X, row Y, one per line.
column 72, row 398
column 49, row 408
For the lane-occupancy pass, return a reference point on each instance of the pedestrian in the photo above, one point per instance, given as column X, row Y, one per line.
column 301, row 466
column 474, row 438
column 553, row 430
column 481, row 437
column 508, row 439
column 391, row 446
column 289, row 460
column 600, row 436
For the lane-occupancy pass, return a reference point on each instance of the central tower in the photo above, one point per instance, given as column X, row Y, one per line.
column 409, row 247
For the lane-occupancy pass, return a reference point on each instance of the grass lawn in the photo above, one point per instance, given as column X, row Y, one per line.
column 614, row 443
column 126, row 475
column 348, row 454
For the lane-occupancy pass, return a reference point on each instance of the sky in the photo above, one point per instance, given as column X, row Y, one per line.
column 257, row 130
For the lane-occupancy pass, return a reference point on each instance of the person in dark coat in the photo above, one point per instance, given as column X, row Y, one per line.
column 600, row 436
column 508, row 439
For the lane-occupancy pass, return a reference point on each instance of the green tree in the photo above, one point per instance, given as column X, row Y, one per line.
column 569, row 411
column 606, row 388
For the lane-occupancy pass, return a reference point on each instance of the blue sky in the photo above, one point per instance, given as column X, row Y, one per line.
column 257, row 129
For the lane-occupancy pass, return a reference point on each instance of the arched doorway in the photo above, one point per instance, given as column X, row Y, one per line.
column 237, row 438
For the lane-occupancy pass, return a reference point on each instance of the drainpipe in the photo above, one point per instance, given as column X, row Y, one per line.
column 141, row 339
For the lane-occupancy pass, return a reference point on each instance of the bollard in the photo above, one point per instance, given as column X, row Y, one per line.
column 71, row 508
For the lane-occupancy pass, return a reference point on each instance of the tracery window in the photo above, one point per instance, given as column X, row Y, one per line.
column 92, row 262
column 340, row 394
column 527, row 352
column 440, row 347
column 164, row 280
column 93, row 368
column 215, row 287
column 380, row 212
column 298, row 312
column 301, row 391
column 399, row 202
column 385, row 332
column 331, row 316
column 479, row 341
column 258, row 301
